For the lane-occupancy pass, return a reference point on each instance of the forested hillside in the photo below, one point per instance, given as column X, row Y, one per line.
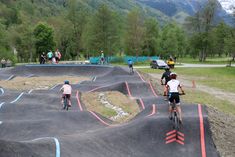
column 83, row 28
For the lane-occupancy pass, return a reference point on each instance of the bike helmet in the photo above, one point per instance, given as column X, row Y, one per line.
column 173, row 75
column 66, row 82
column 167, row 68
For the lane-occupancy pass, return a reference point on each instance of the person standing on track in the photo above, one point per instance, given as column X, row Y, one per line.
column 67, row 91
column 172, row 86
column 50, row 56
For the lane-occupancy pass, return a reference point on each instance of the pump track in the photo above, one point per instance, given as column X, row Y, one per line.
column 32, row 123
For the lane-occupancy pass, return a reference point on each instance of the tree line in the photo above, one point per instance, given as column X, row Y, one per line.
column 80, row 32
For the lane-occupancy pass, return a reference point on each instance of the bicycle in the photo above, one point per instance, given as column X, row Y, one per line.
column 175, row 118
column 65, row 103
column 131, row 69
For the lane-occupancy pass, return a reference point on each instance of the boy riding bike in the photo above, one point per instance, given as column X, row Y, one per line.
column 67, row 91
column 130, row 65
column 172, row 89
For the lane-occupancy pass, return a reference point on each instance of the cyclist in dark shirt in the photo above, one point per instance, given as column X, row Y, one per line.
column 166, row 76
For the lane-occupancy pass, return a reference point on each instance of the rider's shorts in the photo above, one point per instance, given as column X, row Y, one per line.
column 66, row 95
column 130, row 65
column 174, row 97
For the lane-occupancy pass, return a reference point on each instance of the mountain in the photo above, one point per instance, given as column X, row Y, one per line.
column 178, row 10
column 228, row 5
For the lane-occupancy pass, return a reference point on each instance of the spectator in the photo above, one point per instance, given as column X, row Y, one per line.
column 57, row 56
column 42, row 58
column 50, row 56
column 3, row 62
column 8, row 64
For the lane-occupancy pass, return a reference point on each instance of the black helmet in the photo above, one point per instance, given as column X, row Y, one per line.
column 66, row 82
column 167, row 68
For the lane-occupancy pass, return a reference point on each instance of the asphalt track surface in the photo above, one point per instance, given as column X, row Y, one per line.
column 32, row 123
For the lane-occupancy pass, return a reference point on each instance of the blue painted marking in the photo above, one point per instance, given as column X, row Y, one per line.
column 30, row 91
column 56, row 143
column 55, row 86
column 67, row 65
column 57, row 147
column 1, row 104
column 10, row 77
column 2, row 91
column 17, row 98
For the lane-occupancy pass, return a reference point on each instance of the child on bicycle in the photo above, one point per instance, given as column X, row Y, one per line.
column 172, row 87
column 67, row 91
column 130, row 64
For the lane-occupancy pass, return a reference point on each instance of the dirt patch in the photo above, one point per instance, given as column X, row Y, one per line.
column 223, row 132
column 222, row 124
column 36, row 83
column 92, row 102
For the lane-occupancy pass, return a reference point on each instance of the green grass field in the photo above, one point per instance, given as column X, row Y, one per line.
column 221, row 78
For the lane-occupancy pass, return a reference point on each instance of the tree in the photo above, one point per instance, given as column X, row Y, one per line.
column 104, row 31
column 202, row 24
column 151, row 36
column 134, row 33
column 78, row 16
column 230, row 44
column 44, row 38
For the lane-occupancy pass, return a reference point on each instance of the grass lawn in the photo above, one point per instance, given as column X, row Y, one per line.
column 199, row 97
column 222, row 78
column 214, row 60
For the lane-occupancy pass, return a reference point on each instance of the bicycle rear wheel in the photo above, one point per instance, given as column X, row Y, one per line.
column 66, row 103
column 176, row 122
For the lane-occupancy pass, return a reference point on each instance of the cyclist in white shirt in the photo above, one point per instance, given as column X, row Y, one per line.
column 67, row 91
column 172, row 87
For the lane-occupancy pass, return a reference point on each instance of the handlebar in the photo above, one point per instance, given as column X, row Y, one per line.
column 179, row 94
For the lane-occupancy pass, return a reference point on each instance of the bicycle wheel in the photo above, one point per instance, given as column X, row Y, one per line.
column 176, row 122
column 65, row 103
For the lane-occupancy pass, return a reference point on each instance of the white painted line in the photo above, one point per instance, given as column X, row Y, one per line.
column 9, row 78
column 57, row 147
column 2, row 91
column 55, row 140
column 1, row 104
column 94, row 79
column 55, row 86
column 0, row 122
column 30, row 75
column 17, row 98
column 30, row 91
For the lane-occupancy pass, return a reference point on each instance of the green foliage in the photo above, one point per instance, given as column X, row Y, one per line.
column 103, row 33
column 134, row 33
column 44, row 39
column 151, row 36
column 87, row 27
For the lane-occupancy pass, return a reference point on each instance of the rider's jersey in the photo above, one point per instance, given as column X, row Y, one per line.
column 67, row 89
column 130, row 62
column 167, row 77
column 173, row 85
column 50, row 54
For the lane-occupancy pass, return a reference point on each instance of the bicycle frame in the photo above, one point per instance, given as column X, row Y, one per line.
column 66, row 106
column 175, row 117
column 131, row 70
